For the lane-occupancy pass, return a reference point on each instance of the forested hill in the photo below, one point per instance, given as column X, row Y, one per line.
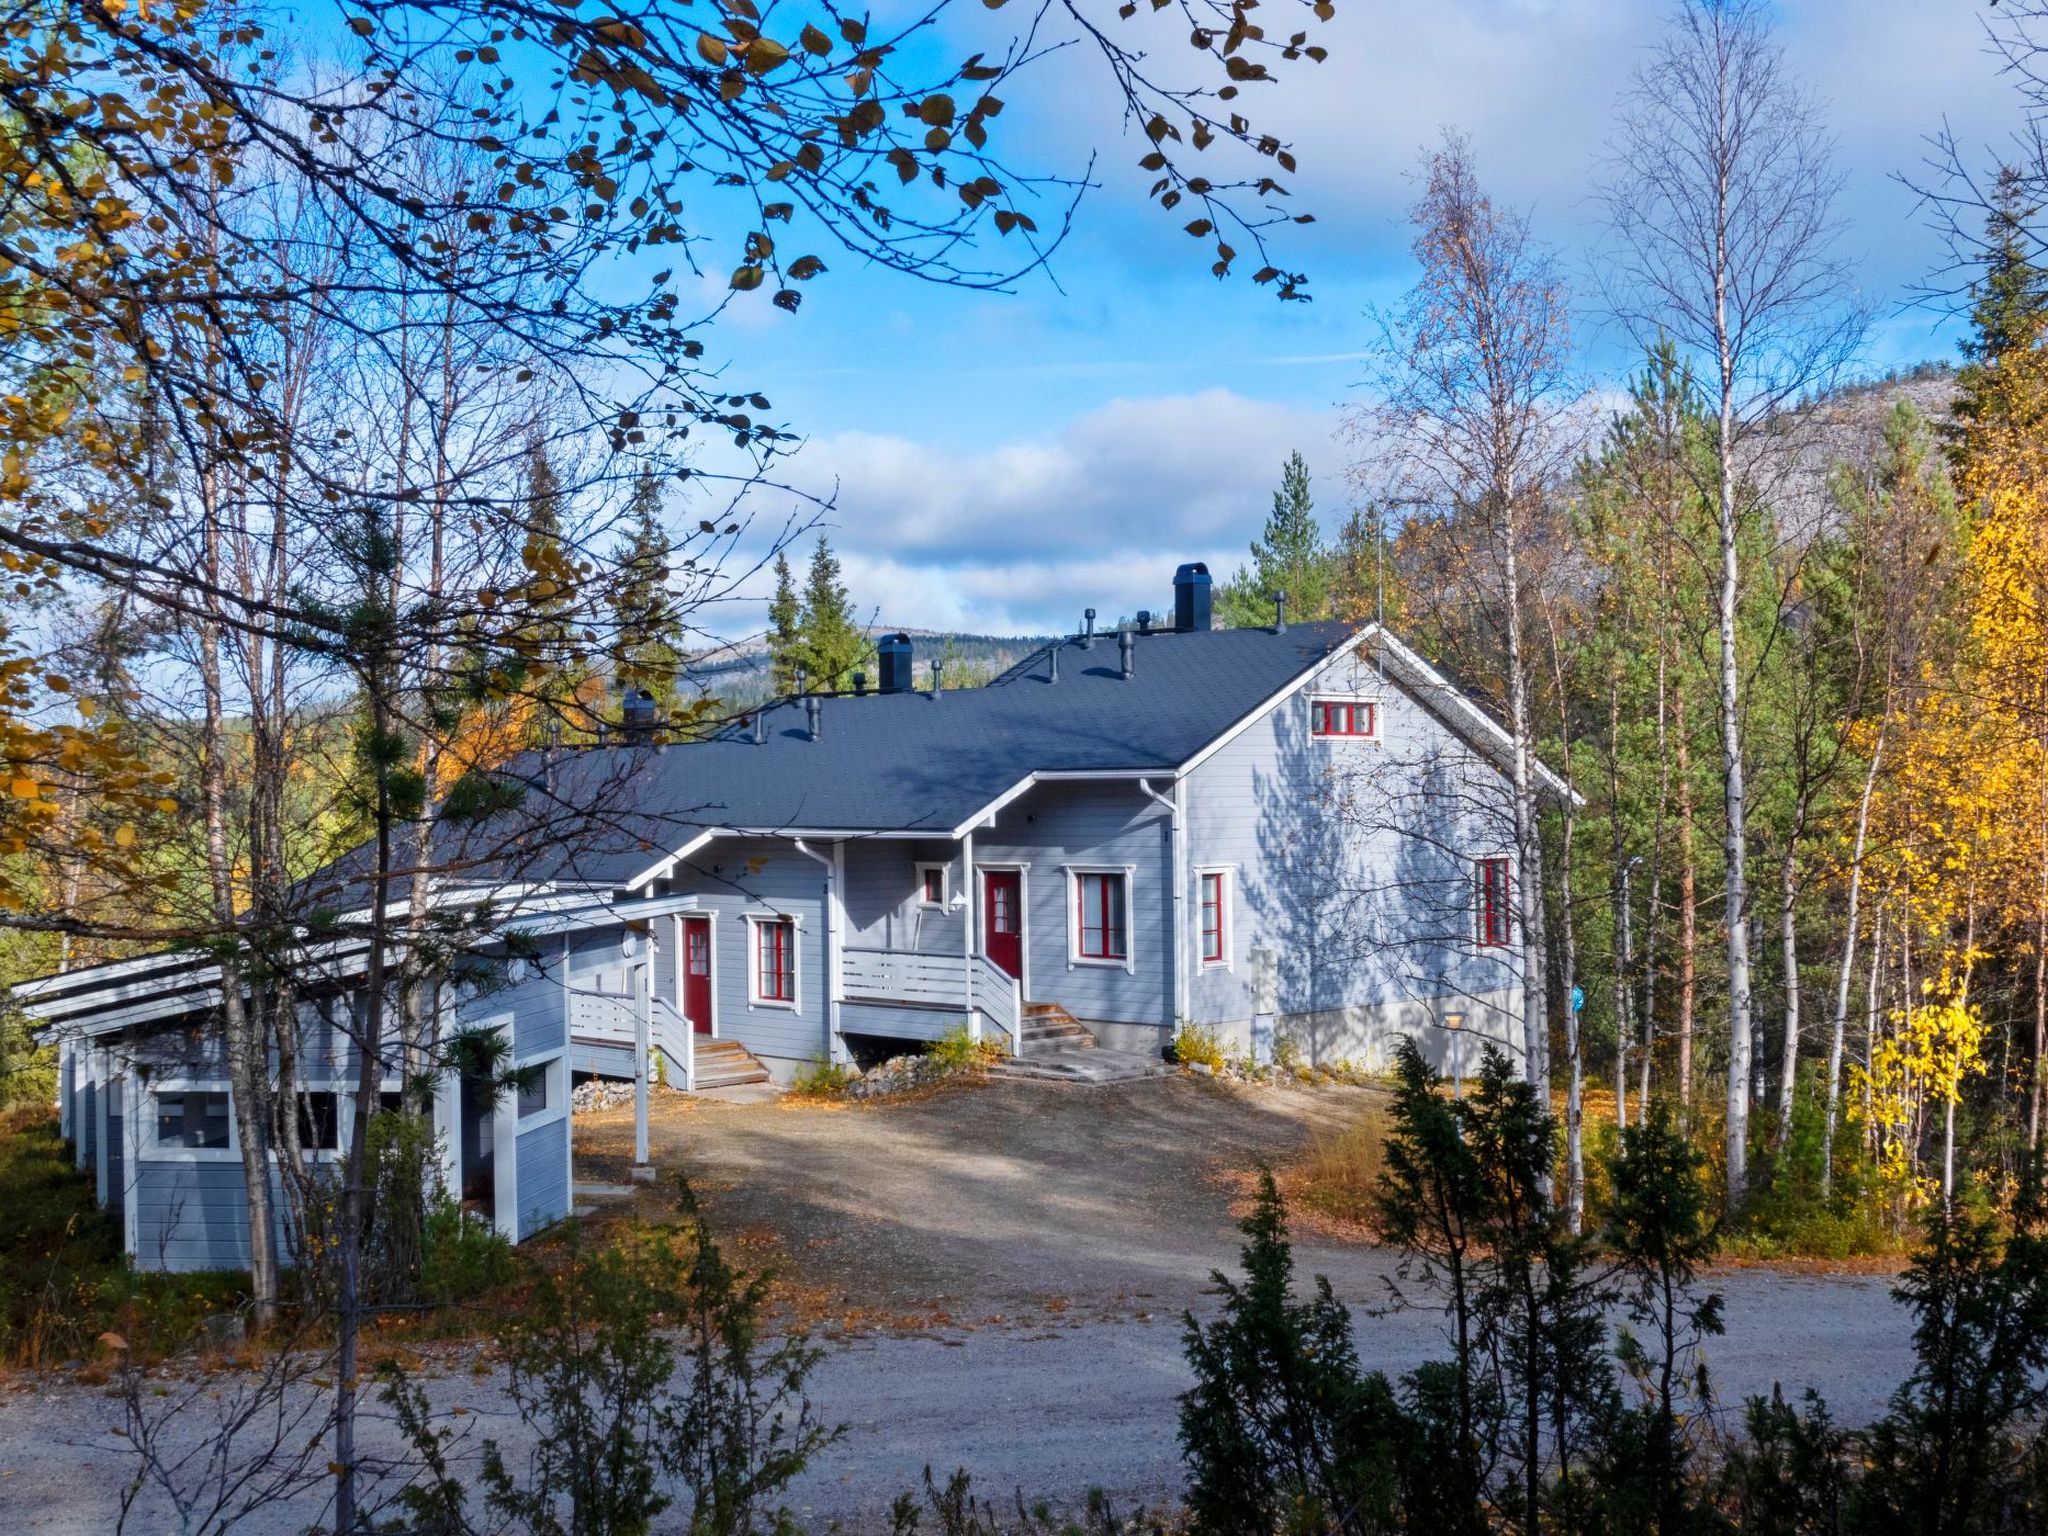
column 1841, row 431
column 738, row 675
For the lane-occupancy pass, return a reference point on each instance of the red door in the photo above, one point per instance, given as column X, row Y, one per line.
column 697, row 973
column 1002, row 928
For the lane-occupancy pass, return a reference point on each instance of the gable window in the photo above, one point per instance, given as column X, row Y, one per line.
column 931, row 885
column 1215, row 896
column 1496, row 911
column 1357, row 719
column 192, row 1119
column 775, row 960
column 1102, row 931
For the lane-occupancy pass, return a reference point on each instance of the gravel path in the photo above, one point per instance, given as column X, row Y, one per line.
column 1034, row 1246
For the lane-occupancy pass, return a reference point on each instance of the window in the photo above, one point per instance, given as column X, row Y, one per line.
column 775, row 960
column 537, row 1096
column 1358, row 718
column 931, row 885
column 1496, row 911
column 192, row 1119
column 1102, row 926
column 320, row 1121
column 1215, row 917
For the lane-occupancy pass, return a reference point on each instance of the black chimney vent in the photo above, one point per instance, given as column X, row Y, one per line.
column 1144, row 621
column 1087, row 628
column 938, row 677
column 639, row 714
column 860, row 683
column 1279, row 613
column 1126, row 645
column 894, row 653
column 1191, row 597
column 813, row 709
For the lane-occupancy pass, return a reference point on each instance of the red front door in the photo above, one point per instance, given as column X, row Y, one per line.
column 1002, row 926
column 697, row 973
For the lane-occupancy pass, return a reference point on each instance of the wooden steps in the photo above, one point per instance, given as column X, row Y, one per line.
column 1059, row 1048
column 726, row 1064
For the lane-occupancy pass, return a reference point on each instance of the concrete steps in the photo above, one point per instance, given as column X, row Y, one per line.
column 1058, row 1048
column 726, row 1064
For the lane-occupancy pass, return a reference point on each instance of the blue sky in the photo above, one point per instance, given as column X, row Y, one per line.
column 1002, row 461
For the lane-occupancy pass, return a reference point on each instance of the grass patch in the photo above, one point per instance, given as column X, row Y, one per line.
column 64, row 1280
column 822, row 1079
column 1338, row 1176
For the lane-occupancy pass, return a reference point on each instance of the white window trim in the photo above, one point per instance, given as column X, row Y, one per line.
column 925, row 867
column 1228, row 916
column 1379, row 716
column 156, row 1152
column 1075, row 959
column 558, row 1096
column 796, row 966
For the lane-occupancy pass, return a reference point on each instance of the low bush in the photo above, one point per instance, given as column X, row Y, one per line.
column 463, row 1255
column 1196, row 1047
column 64, row 1280
column 822, row 1079
column 1339, row 1175
column 958, row 1051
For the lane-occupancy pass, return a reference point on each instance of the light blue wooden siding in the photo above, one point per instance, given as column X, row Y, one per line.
column 1109, row 823
column 1353, row 860
column 894, row 1023
column 89, row 1124
column 543, row 1176
column 194, row 1215
column 740, row 876
column 531, row 1012
column 884, row 909
column 117, row 1144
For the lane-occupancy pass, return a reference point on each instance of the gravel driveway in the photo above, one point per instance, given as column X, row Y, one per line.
column 1010, row 1263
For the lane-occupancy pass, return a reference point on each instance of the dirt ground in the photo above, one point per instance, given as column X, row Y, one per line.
column 983, row 1202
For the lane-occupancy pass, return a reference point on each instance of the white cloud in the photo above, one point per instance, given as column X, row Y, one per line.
column 1024, row 534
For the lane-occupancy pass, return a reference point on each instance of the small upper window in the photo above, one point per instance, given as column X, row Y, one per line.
column 1215, row 918
column 931, row 884
column 192, row 1119
column 1495, row 902
column 320, row 1121
column 537, row 1092
column 1346, row 717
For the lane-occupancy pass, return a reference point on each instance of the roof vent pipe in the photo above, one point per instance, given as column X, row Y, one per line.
column 1144, row 621
column 760, row 727
column 1052, row 662
column 813, row 710
column 895, row 657
column 800, row 680
column 860, row 684
column 1279, row 613
column 938, row 678
column 1191, row 597
column 1087, row 628
column 1126, row 645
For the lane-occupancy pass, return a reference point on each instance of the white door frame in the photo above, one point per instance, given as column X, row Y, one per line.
column 1021, row 868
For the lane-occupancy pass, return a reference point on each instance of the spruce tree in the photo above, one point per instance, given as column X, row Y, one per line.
column 549, row 640
column 785, row 631
column 832, row 642
column 2010, row 308
column 647, row 634
column 1288, row 556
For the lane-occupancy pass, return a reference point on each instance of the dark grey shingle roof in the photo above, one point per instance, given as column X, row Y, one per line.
column 895, row 762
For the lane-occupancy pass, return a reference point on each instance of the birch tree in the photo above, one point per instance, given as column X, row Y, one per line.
column 1720, row 209
column 1476, row 416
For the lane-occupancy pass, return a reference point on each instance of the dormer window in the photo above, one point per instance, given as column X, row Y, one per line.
column 1346, row 719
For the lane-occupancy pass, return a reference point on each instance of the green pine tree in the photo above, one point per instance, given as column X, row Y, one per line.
column 785, row 631
column 647, row 632
column 549, row 639
column 832, row 642
column 2010, row 310
column 1287, row 557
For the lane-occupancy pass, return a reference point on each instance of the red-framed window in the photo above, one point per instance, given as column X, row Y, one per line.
column 1103, row 926
column 1215, row 919
column 775, row 961
column 932, row 885
column 1496, row 910
column 1346, row 717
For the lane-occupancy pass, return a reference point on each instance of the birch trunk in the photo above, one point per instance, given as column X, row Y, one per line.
column 1839, row 1024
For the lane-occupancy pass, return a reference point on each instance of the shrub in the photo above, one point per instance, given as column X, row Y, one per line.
column 462, row 1255
column 822, row 1079
column 1195, row 1046
column 958, row 1051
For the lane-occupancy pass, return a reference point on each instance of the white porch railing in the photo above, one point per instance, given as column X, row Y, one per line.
column 607, row 1018
column 972, row 986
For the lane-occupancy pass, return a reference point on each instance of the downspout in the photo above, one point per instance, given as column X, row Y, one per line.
column 835, row 1049
column 1179, row 910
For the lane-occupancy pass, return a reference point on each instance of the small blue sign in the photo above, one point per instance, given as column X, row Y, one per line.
column 1578, row 999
